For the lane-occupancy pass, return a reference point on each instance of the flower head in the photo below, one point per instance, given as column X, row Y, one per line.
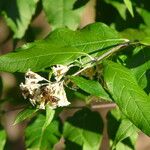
column 41, row 94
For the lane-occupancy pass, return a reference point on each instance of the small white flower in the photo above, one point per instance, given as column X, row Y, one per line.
column 59, row 71
column 31, row 83
column 41, row 94
column 59, row 93
column 32, row 77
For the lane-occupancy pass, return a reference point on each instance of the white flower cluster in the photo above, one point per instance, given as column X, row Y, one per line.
column 41, row 92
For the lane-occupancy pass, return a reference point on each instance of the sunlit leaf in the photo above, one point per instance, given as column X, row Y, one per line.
column 2, row 139
column 128, row 95
column 49, row 116
column 133, row 34
column 145, row 41
column 59, row 48
column 128, row 4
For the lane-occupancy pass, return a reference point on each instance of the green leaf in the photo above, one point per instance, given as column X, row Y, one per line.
column 133, row 34
column 2, row 139
column 59, row 48
column 60, row 13
column 93, row 37
column 82, row 133
column 130, row 98
column 126, row 129
column 145, row 41
column 24, row 114
column 92, row 87
column 119, row 138
column 122, row 7
column 37, row 57
column 18, row 14
column 139, row 64
column 49, row 116
column 39, row 138
column 128, row 4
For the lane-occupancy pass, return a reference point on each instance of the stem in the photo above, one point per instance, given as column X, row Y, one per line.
column 95, row 106
column 107, row 105
column 86, row 67
column 113, row 50
column 107, row 54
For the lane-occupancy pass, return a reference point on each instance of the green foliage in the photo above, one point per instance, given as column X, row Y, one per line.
column 130, row 98
column 121, row 74
column 41, row 137
column 37, row 57
column 59, row 48
column 49, row 116
column 2, row 138
column 79, row 129
column 121, row 131
column 121, row 8
column 128, row 4
column 126, row 129
column 18, row 14
column 64, row 15
column 145, row 41
column 145, row 15
column 92, row 87
column 24, row 114
column 138, row 62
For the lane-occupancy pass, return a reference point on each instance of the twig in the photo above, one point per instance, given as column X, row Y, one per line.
column 113, row 50
column 107, row 54
column 107, row 105
column 86, row 67
column 94, row 106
